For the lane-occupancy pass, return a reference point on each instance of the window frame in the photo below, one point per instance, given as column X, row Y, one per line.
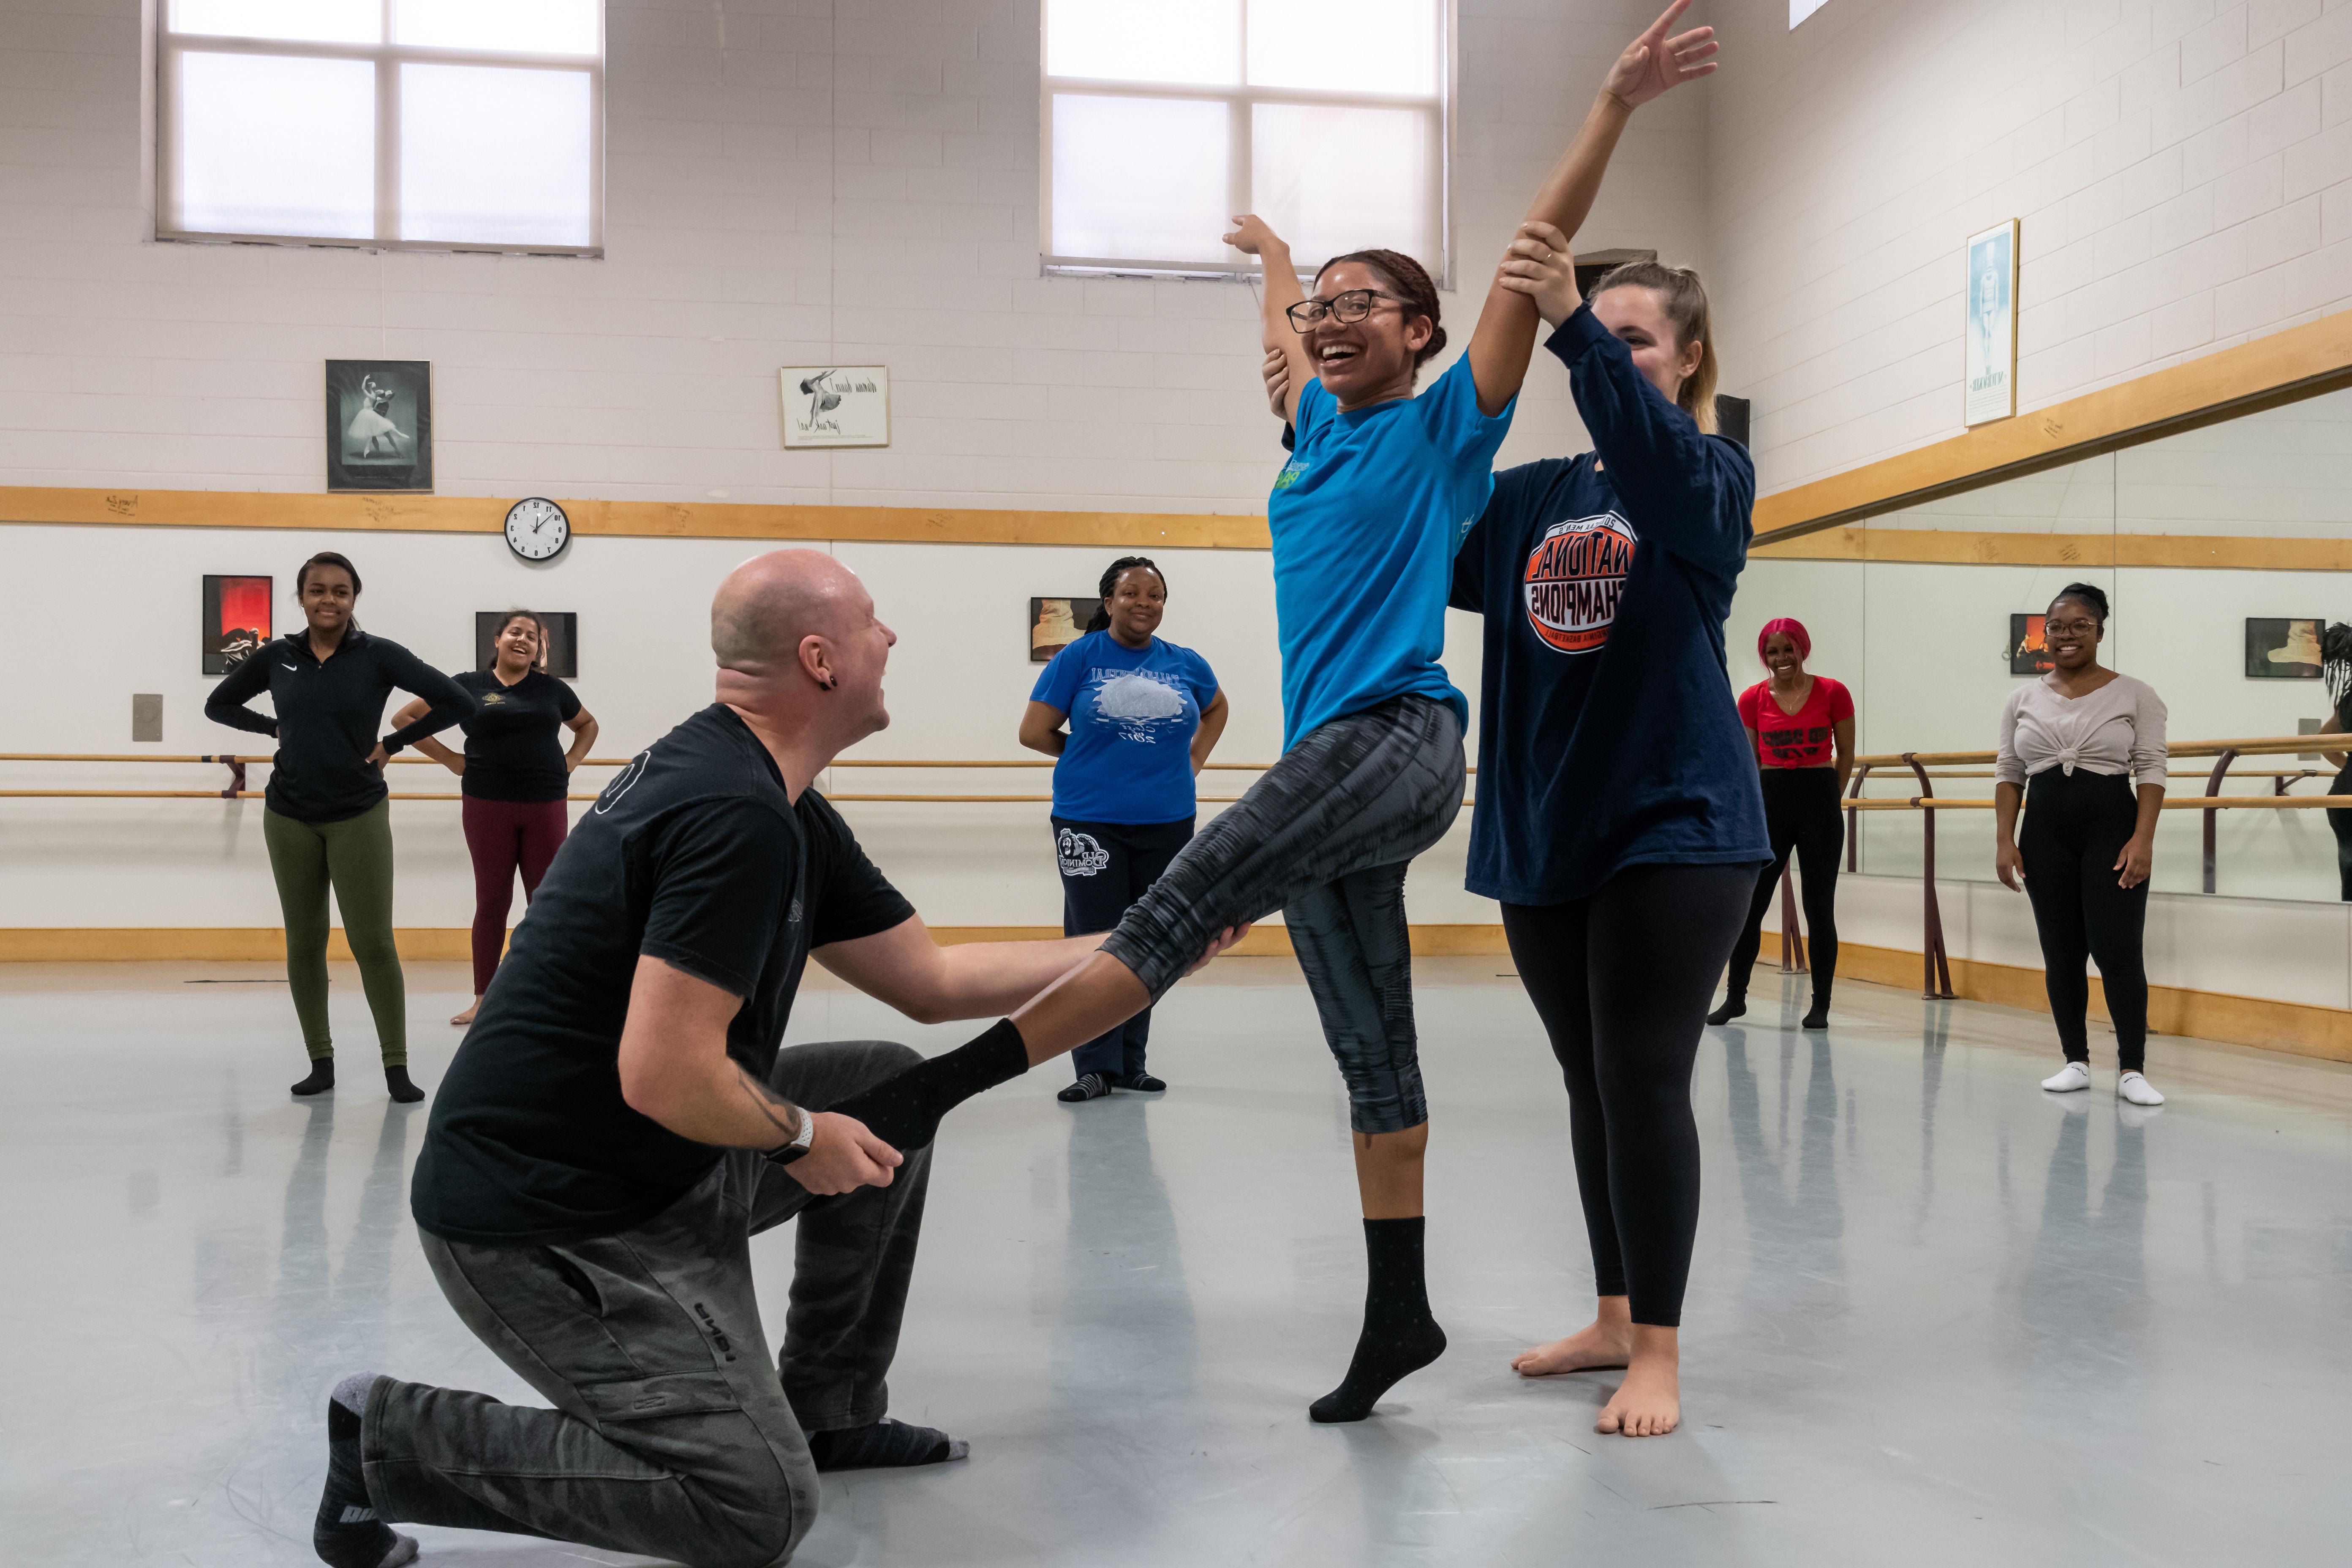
column 1242, row 101
column 387, row 58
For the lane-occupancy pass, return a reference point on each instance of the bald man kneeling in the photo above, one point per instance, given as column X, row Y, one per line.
column 620, row 1121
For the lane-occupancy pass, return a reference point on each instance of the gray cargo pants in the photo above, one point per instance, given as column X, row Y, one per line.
column 674, row 1433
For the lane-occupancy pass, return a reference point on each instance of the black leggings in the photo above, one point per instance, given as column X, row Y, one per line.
column 2075, row 827
column 2339, row 822
column 1106, row 866
column 1800, row 811
column 1621, row 981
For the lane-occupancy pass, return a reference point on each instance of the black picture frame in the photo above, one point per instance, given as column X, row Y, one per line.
column 1045, row 618
column 2268, row 636
column 563, row 640
column 379, row 424
column 236, row 619
column 2028, row 654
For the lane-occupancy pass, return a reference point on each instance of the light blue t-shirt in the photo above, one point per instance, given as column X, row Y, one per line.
column 1366, row 517
column 1133, row 713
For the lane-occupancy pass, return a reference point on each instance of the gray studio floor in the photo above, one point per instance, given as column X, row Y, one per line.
column 1936, row 1316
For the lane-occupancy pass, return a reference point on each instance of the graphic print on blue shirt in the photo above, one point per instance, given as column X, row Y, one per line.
column 1133, row 713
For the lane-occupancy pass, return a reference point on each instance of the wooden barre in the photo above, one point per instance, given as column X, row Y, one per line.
column 2171, row 803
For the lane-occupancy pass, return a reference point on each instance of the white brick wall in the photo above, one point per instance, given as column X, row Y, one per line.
column 2182, row 168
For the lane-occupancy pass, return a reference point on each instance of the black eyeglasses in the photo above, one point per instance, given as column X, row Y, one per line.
column 1347, row 308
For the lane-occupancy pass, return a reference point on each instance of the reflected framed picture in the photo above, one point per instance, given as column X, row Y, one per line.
column 379, row 424
column 836, row 406
column 1991, row 326
column 2283, row 649
column 236, row 620
column 2028, row 654
column 1055, row 624
column 562, row 659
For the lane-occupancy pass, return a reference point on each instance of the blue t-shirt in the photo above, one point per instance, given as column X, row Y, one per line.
column 1366, row 517
column 1609, row 735
column 1133, row 713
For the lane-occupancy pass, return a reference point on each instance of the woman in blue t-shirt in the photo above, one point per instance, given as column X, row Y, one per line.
column 1365, row 520
column 1143, row 716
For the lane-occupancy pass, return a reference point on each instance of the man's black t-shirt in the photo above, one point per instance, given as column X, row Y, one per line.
column 695, row 856
column 514, row 746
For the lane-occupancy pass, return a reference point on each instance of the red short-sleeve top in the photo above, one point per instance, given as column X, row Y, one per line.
column 1805, row 739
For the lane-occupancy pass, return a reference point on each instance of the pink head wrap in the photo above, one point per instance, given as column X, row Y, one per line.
column 1795, row 630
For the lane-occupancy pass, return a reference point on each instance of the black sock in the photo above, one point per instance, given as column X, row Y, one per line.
column 884, row 1445
column 322, row 1077
column 1399, row 1335
column 346, row 1533
column 1733, row 1007
column 395, row 1078
column 903, row 1112
column 1819, row 1017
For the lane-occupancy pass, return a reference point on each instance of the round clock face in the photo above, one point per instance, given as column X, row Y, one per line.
column 537, row 528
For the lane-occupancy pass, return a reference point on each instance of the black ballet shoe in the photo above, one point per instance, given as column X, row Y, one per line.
column 1090, row 1086
column 321, row 1079
column 1733, row 1007
column 1143, row 1083
column 395, row 1081
column 1819, row 1018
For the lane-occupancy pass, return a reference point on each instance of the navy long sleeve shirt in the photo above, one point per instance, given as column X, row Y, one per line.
column 327, row 713
column 1608, row 734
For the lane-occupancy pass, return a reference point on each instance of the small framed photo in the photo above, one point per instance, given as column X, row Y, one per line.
column 379, row 424
column 1055, row 624
column 836, row 406
column 236, row 620
column 1991, row 332
column 2283, row 649
column 562, row 656
column 2028, row 654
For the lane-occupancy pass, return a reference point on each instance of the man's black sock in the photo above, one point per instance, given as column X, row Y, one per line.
column 346, row 1533
column 884, row 1445
column 903, row 1112
column 1400, row 1334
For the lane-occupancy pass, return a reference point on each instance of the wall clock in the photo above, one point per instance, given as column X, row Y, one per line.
column 537, row 528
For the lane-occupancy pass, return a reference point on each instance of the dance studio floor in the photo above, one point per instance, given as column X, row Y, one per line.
column 1936, row 1316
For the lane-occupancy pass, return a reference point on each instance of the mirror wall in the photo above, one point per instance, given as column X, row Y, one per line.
column 1925, row 641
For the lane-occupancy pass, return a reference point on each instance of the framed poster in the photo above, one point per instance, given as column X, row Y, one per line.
column 836, row 406
column 379, row 424
column 1993, row 324
column 236, row 620
column 2028, row 654
column 2283, row 649
column 1055, row 624
column 562, row 656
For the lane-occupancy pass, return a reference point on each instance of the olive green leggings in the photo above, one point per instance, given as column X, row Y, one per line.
column 355, row 855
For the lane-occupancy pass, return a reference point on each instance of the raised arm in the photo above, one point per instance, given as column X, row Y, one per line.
column 1505, row 337
column 1253, row 238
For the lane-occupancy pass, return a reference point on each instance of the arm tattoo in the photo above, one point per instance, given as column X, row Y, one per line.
column 767, row 1102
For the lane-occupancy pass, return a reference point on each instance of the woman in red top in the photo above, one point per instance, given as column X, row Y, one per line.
column 1801, row 729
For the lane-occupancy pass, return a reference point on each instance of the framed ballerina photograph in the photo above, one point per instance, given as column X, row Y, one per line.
column 1055, row 624
column 2283, row 649
column 1990, row 355
column 379, row 424
column 236, row 620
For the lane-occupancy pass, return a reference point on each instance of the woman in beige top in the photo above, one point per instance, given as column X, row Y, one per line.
column 2073, row 743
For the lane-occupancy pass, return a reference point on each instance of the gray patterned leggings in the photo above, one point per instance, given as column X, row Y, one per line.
column 1325, row 837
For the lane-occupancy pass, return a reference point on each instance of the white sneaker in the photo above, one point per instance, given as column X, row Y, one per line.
column 2068, row 1078
column 2135, row 1088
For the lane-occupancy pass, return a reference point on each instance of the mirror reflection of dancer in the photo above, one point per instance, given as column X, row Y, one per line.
column 328, row 818
column 370, row 431
column 516, row 775
column 2072, row 744
column 2336, row 669
column 1143, row 716
column 1801, row 733
column 1366, row 518
column 619, row 1122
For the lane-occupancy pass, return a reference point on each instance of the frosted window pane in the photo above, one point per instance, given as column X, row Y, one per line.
column 527, row 26
column 1334, row 180
column 1140, row 179
column 1347, row 46
column 494, row 157
column 270, row 144
column 313, row 21
column 1145, row 41
column 1801, row 9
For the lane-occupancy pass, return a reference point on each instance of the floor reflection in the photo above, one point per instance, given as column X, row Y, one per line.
column 1796, row 1215
column 2083, row 1302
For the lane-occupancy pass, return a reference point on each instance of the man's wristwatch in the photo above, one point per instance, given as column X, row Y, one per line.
column 785, row 1153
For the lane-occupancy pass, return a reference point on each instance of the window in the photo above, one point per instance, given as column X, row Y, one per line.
column 1164, row 118
column 431, row 124
column 1801, row 9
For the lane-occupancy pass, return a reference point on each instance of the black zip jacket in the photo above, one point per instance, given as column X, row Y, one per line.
column 327, row 713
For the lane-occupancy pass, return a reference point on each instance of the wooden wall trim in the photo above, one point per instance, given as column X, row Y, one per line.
column 2284, row 367
column 1967, row 547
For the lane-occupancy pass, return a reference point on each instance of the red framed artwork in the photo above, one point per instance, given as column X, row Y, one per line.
column 236, row 620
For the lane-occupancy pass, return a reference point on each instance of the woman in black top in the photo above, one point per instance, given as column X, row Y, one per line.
column 2336, row 655
column 516, row 776
column 326, row 819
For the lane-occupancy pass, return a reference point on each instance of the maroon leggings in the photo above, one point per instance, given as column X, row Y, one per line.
column 504, row 836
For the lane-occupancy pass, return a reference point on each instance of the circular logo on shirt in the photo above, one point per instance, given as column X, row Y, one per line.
column 1082, row 854
column 622, row 784
column 1574, row 576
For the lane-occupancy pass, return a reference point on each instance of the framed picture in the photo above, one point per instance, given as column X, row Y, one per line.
column 836, row 406
column 379, row 424
column 2028, row 654
column 562, row 659
column 2283, row 649
column 1055, row 624
column 1991, row 367
column 236, row 620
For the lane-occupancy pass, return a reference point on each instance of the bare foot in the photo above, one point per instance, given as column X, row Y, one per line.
column 1598, row 1344
column 1649, row 1403
column 466, row 1017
